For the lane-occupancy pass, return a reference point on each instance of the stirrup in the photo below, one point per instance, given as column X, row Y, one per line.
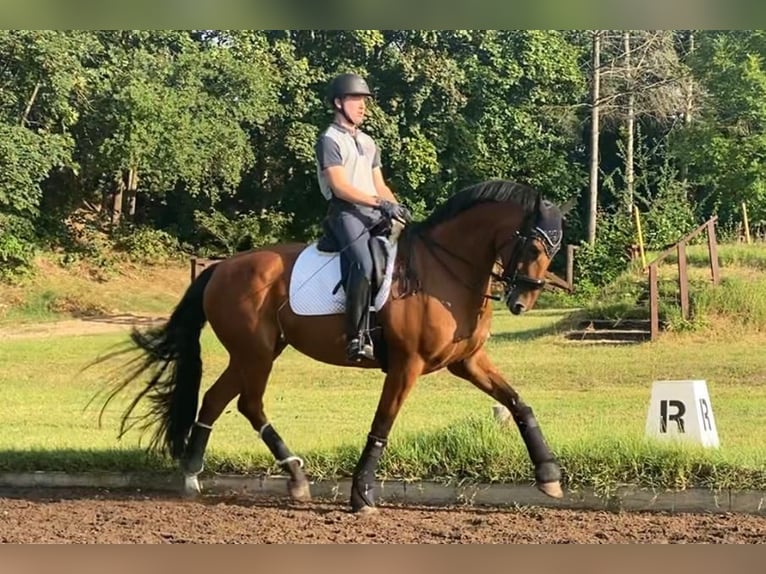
column 357, row 350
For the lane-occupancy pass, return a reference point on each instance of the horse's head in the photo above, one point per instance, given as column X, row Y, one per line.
column 531, row 252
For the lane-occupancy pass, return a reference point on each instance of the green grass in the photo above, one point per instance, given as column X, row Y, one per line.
column 591, row 402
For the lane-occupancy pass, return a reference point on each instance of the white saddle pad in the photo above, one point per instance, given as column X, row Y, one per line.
column 316, row 274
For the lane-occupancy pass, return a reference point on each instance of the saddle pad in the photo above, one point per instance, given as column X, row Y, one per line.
column 316, row 274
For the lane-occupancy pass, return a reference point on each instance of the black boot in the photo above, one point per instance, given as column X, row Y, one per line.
column 357, row 316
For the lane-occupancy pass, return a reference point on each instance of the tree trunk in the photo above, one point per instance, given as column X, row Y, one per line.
column 594, row 132
column 689, row 107
column 30, row 103
column 131, row 191
column 629, row 127
column 117, row 196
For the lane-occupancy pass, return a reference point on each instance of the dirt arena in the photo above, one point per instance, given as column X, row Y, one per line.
column 99, row 516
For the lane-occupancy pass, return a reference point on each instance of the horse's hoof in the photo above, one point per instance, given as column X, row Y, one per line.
column 552, row 489
column 191, row 488
column 366, row 511
column 299, row 491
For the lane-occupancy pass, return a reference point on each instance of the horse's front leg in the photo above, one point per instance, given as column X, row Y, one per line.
column 399, row 381
column 480, row 371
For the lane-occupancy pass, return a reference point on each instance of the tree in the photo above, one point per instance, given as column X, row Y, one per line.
column 172, row 109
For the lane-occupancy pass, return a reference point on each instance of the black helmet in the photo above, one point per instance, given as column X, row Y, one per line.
column 348, row 85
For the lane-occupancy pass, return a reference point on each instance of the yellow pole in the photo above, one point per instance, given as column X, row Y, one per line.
column 747, row 225
column 640, row 236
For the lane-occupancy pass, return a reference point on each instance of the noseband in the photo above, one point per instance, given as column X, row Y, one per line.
column 511, row 278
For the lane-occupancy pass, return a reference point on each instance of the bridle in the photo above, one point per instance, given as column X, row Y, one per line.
column 511, row 278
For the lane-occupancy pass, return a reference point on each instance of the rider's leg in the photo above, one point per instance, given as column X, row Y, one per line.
column 353, row 236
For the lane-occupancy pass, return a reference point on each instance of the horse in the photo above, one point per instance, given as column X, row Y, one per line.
column 437, row 315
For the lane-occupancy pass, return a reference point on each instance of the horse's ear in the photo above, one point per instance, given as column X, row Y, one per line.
column 567, row 207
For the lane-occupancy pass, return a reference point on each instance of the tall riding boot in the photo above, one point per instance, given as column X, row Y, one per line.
column 357, row 316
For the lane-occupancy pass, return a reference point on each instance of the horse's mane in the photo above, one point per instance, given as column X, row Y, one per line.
column 495, row 190
column 498, row 190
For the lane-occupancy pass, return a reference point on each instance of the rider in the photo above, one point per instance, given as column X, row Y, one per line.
column 350, row 178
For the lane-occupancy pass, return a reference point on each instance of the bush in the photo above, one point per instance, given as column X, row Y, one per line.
column 669, row 217
column 146, row 244
column 17, row 246
column 228, row 235
column 601, row 263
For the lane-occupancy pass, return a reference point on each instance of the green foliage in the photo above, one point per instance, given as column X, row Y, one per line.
column 724, row 147
column 26, row 159
column 242, row 231
column 146, row 244
column 669, row 218
column 608, row 257
column 228, row 119
column 17, row 246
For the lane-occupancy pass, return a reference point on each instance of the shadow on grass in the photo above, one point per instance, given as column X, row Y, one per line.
column 556, row 328
column 83, row 460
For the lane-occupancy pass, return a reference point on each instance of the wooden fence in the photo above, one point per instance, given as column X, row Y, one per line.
column 683, row 278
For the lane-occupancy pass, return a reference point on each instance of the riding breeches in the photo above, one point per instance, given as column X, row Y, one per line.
column 352, row 231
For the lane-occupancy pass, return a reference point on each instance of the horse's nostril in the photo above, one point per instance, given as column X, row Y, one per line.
column 518, row 309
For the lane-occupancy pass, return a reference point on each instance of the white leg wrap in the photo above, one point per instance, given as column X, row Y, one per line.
column 203, row 425
column 290, row 459
column 191, row 484
column 260, row 432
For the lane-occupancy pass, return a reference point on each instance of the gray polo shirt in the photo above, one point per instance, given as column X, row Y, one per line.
column 358, row 154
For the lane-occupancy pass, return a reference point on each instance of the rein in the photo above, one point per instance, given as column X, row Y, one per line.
column 430, row 243
column 550, row 246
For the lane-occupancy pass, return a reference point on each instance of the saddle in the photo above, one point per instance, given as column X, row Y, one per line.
column 382, row 236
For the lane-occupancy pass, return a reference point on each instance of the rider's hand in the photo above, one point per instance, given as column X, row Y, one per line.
column 394, row 210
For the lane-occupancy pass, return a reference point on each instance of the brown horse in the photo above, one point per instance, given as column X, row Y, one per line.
column 437, row 315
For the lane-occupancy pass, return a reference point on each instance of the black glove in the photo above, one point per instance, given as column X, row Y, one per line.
column 394, row 210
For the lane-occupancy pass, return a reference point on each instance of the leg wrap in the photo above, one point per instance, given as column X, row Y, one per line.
column 193, row 459
column 362, row 489
column 546, row 467
column 277, row 446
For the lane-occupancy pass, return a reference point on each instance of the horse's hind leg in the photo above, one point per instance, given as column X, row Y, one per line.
column 214, row 401
column 478, row 369
column 250, row 404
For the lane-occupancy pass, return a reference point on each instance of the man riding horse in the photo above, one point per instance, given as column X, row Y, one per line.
column 350, row 178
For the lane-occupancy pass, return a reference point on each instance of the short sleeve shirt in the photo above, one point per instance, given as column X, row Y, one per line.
column 358, row 154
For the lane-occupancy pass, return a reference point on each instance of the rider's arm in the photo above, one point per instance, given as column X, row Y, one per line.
column 331, row 163
column 377, row 179
column 342, row 188
column 381, row 187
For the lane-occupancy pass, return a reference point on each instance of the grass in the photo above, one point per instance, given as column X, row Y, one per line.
column 737, row 303
column 590, row 401
column 53, row 292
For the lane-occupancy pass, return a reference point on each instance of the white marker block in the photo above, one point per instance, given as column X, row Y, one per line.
column 681, row 410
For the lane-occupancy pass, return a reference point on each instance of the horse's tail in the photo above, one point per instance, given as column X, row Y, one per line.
column 172, row 355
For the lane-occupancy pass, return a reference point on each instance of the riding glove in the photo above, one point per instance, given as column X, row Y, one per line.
column 394, row 210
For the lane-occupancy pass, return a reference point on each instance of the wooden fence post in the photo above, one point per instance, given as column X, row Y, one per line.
column 570, row 265
column 654, row 302
column 683, row 280
column 712, row 247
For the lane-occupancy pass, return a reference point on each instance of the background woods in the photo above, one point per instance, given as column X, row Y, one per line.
column 157, row 142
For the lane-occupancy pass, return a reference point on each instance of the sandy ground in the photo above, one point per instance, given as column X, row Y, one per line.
column 99, row 516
